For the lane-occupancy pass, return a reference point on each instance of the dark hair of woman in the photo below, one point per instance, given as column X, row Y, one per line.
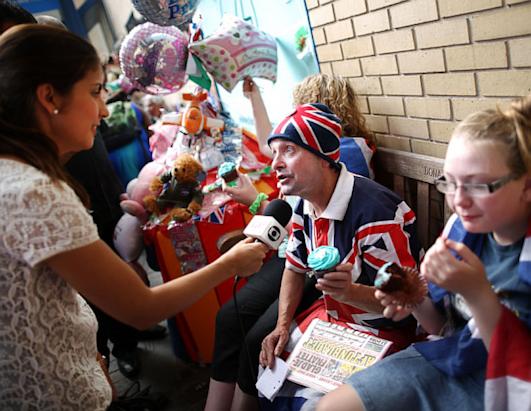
column 31, row 55
column 12, row 13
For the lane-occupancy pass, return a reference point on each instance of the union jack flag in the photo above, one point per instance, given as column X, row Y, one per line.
column 217, row 216
column 313, row 126
column 508, row 385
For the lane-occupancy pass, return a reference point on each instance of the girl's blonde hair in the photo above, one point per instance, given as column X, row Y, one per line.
column 338, row 94
column 511, row 128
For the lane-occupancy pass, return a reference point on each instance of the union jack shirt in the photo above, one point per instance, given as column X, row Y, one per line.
column 369, row 225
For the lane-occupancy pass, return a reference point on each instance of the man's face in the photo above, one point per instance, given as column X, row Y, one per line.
column 298, row 170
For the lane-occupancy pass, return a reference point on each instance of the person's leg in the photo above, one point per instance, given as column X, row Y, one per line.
column 125, row 342
column 407, row 381
column 124, row 339
column 253, row 300
column 344, row 398
column 244, row 402
column 248, row 361
column 102, row 338
column 220, row 395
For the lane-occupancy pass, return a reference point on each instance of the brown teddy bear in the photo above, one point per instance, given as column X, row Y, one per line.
column 177, row 191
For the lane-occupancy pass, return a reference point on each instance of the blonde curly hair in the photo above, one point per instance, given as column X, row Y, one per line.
column 339, row 95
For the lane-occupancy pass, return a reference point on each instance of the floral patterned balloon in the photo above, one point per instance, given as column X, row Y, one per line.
column 154, row 58
column 167, row 12
column 237, row 49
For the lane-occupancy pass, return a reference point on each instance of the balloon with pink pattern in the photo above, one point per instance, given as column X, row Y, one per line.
column 154, row 58
column 235, row 50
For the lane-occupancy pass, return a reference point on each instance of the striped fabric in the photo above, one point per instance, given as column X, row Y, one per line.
column 508, row 385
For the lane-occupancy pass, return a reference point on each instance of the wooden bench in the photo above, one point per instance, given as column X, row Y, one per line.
column 412, row 177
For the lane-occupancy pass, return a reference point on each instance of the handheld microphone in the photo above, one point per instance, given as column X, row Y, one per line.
column 269, row 227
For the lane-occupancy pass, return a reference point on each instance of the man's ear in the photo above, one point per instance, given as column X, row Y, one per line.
column 324, row 164
column 47, row 98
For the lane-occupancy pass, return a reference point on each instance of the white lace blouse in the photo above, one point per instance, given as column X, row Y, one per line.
column 47, row 330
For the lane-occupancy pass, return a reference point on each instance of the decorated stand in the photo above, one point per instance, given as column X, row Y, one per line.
column 185, row 246
column 176, row 204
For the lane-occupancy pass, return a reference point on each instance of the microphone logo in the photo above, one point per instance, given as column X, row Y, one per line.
column 273, row 233
column 269, row 228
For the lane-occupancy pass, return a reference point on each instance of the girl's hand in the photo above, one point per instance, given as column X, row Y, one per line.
column 392, row 309
column 465, row 276
column 244, row 193
column 246, row 257
column 337, row 284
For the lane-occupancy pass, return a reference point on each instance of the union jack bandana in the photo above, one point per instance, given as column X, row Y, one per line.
column 313, row 127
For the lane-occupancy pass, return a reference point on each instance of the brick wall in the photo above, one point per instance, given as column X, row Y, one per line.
column 420, row 66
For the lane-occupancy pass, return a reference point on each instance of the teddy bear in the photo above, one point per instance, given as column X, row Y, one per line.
column 177, row 191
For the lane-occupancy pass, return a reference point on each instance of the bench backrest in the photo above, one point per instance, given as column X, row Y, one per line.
column 411, row 176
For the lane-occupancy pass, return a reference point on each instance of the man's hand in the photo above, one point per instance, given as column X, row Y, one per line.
column 337, row 284
column 273, row 345
column 392, row 309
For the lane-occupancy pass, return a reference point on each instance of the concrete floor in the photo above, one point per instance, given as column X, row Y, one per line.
column 184, row 384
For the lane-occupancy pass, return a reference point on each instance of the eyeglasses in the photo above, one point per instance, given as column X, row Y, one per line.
column 474, row 190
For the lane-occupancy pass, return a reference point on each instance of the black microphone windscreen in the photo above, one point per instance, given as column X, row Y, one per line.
column 280, row 210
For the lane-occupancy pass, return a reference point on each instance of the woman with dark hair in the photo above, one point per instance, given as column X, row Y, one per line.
column 50, row 106
column 12, row 14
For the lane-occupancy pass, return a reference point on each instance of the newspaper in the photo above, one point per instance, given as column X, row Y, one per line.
column 329, row 353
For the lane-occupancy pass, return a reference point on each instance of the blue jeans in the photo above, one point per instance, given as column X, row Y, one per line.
column 406, row 381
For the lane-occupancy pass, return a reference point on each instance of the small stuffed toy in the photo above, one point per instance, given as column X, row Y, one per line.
column 177, row 191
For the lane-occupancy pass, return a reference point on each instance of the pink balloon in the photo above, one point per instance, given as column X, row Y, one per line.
column 154, row 58
column 128, row 238
column 236, row 50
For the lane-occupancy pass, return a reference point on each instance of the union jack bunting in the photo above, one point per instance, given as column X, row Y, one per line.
column 314, row 127
column 217, row 216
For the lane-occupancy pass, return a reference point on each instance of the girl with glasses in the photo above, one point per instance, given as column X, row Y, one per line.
column 479, row 274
